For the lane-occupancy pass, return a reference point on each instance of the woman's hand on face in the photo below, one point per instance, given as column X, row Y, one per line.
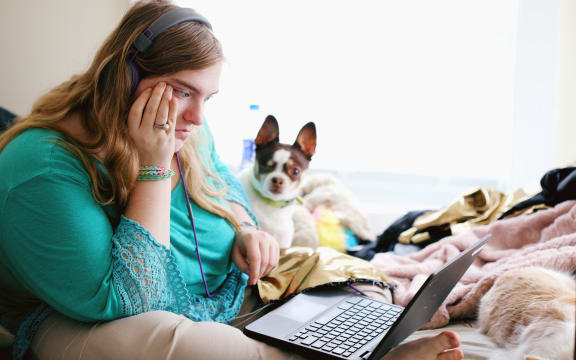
column 255, row 252
column 154, row 106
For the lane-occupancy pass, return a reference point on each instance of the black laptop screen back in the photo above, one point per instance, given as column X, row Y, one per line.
column 428, row 299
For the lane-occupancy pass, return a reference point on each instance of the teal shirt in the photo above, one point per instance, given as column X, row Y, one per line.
column 215, row 238
column 56, row 240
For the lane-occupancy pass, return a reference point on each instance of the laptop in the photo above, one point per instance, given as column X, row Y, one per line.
column 337, row 324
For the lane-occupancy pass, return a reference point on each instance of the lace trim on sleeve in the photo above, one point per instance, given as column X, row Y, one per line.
column 28, row 329
column 145, row 272
column 226, row 303
column 148, row 279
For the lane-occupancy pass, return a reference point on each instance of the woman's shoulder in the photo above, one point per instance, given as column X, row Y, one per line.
column 36, row 152
column 35, row 144
column 36, row 134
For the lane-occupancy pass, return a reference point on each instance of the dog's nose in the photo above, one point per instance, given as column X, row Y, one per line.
column 277, row 181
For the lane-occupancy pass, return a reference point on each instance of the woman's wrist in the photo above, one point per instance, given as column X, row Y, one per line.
column 153, row 172
column 149, row 205
column 248, row 225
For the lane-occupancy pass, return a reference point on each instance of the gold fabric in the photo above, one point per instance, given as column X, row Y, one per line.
column 301, row 268
column 477, row 207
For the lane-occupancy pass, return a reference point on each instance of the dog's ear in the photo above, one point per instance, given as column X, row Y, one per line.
column 268, row 132
column 306, row 140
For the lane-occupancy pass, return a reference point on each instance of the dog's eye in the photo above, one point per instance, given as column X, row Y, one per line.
column 295, row 171
column 270, row 163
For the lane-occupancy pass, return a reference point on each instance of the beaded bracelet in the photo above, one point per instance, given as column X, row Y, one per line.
column 151, row 172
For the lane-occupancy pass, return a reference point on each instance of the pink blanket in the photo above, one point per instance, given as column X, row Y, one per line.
column 546, row 238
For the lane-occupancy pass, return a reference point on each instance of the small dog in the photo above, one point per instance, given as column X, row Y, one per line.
column 273, row 183
column 530, row 313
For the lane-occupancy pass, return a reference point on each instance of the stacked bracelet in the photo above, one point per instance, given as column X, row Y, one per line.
column 151, row 172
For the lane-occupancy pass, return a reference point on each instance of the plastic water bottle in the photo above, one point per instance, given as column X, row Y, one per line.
column 248, row 141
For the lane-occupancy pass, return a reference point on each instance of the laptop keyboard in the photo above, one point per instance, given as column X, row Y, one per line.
column 347, row 327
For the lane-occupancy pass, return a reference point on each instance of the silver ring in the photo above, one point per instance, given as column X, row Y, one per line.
column 162, row 126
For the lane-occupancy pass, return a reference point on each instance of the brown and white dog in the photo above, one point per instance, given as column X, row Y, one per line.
column 273, row 182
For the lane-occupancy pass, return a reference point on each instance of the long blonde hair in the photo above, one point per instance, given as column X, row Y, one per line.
column 102, row 97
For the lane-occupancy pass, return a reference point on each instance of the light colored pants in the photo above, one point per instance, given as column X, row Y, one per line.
column 160, row 335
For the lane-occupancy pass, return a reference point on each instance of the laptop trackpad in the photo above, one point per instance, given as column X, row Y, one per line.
column 288, row 317
column 301, row 308
column 274, row 326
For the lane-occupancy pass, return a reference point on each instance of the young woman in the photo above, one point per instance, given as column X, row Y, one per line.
column 123, row 235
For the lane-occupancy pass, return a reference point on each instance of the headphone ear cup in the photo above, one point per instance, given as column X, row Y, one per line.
column 134, row 76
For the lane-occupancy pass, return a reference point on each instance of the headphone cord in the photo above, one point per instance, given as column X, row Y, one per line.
column 191, row 216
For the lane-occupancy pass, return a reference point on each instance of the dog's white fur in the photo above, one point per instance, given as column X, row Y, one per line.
column 277, row 221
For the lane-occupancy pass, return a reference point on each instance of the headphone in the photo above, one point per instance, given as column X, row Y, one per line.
column 163, row 23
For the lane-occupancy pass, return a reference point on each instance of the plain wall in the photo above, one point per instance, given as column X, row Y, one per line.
column 545, row 93
column 43, row 43
column 566, row 116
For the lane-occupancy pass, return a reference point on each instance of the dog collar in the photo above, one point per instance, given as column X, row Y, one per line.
column 278, row 204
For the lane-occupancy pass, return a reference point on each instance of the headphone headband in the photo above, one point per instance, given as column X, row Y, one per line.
column 144, row 40
column 171, row 18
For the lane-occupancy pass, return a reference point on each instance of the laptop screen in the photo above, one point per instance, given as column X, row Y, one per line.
column 428, row 299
